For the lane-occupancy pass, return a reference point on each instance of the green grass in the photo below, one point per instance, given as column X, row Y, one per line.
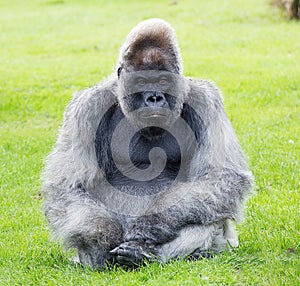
column 49, row 49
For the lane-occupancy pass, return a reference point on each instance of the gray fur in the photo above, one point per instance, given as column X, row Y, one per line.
column 203, row 238
column 88, row 214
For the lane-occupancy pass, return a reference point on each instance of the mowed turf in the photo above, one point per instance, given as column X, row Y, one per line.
column 50, row 49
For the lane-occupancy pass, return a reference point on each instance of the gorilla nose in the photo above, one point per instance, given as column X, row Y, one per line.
column 154, row 99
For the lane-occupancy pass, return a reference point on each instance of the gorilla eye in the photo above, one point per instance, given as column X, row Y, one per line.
column 141, row 81
column 163, row 80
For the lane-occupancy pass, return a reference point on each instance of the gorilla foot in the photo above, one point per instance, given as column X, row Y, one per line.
column 201, row 253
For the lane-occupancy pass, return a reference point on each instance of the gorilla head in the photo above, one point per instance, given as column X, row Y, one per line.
column 151, row 88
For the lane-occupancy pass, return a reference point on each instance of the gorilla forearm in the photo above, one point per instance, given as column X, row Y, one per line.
column 213, row 198
column 79, row 220
column 83, row 224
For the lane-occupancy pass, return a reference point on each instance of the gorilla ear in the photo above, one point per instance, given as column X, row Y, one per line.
column 119, row 71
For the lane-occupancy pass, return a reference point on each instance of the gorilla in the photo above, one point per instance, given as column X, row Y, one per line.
column 146, row 165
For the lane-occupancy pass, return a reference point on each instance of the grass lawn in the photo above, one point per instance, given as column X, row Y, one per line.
column 51, row 48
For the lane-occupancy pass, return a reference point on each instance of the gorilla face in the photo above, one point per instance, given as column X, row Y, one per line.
column 150, row 99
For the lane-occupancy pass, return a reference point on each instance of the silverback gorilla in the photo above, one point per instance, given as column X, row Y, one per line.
column 146, row 165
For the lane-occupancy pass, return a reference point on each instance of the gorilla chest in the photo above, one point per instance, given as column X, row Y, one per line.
column 155, row 163
column 137, row 164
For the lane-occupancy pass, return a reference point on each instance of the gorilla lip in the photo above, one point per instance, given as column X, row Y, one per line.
column 154, row 115
column 153, row 112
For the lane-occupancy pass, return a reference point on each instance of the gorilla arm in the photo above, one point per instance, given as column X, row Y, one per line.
column 219, row 177
column 71, row 168
column 213, row 198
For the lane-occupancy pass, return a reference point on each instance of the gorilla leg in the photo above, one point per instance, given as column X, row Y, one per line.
column 200, row 241
column 190, row 238
column 196, row 241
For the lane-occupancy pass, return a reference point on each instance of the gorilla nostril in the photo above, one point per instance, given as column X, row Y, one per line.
column 159, row 98
column 155, row 99
column 152, row 99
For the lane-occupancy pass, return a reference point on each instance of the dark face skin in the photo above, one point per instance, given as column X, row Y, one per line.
column 149, row 100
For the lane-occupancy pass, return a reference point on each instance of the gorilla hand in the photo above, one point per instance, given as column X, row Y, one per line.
column 132, row 253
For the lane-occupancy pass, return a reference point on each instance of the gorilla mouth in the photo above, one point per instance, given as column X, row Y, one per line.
column 153, row 115
column 156, row 118
column 162, row 118
column 146, row 113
